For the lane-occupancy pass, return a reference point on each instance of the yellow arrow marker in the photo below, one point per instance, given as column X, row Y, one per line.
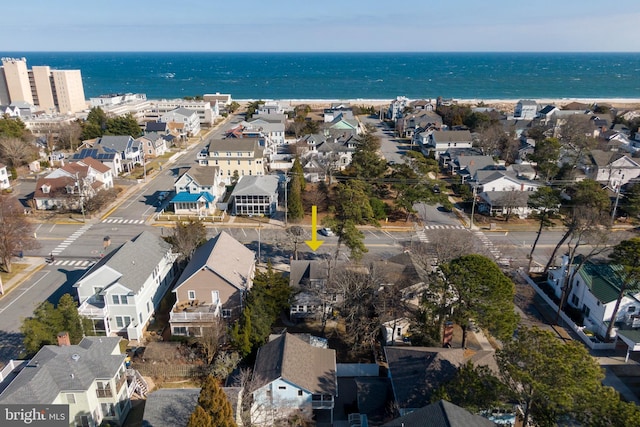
column 314, row 243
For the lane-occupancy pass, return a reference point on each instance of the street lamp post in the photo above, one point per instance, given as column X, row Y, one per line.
column 473, row 207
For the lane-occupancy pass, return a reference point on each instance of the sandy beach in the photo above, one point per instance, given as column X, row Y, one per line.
column 501, row 104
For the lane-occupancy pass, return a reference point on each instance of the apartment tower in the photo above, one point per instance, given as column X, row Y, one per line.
column 47, row 89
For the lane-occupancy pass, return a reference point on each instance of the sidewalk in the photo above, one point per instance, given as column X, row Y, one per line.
column 34, row 264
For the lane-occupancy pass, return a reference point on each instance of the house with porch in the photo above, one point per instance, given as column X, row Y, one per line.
column 121, row 293
column 212, row 286
column 105, row 155
column 235, row 157
column 312, row 295
column 90, row 377
column 594, row 291
column 187, row 120
column 255, row 195
column 197, row 190
column 154, row 144
column 293, row 374
column 440, row 141
column 611, row 169
column 130, row 149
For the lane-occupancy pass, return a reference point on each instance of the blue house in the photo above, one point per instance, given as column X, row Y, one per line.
column 196, row 191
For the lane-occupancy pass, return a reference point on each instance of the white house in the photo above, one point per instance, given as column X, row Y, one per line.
column 292, row 374
column 612, row 169
column 122, row 291
column 197, row 191
column 501, row 180
column 440, row 141
column 4, row 177
column 130, row 150
column 255, row 195
column 526, row 109
column 154, row 144
column 187, row 119
column 90, row 377
column 594, row 291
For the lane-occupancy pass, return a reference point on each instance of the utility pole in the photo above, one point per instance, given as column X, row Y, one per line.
column 473, row 206
column 615, row 205
column 144, row 167
column 78, row 181
column 286, row 204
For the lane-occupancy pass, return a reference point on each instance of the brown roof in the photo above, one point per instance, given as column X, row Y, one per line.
column 57, row 187
column 95, row 164
column 203, row 175
column 290, row 358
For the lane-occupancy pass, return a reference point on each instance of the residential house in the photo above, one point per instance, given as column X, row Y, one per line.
column 122, row 291
column 612, row 169
column 213, row 285
column 90, row 377
column 338, row 111
column 466, row 166
column 222, row 99
column 343, row 126
column 417, row 372
column 154, row 144
column 422, row 105
column 184, row 119
column 312, row 296
column 396, row 108
column 418, row 121
column 270, row 108
column 197, row 189
column 130, row 150
column 504, row 203
column 500, row 179
column 336, row 153
column 292, row 375
column 441, row 413
column 525, row 109
column 594, row 292
column 161, row 128
column 272, row 132
column 205, row 111
column 545, row 115
column 105, row 155
column 4, row 177
column 236, row 157
column 69, row 186
column 441, row 141
column 255, row 195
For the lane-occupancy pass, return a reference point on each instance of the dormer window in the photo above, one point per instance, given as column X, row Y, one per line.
column 46, row 188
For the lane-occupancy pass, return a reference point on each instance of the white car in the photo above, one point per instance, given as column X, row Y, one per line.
column 326, row 232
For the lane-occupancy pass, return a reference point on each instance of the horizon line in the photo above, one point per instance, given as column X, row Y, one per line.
column 329, row 52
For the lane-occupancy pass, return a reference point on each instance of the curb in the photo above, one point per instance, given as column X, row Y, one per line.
column 19, row 278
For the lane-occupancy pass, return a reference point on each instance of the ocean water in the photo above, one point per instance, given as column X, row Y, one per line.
column 352, row 75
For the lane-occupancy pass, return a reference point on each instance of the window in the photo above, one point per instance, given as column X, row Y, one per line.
column 281, row 387
column 191, row 295
column 122, row 321
column 179, row 330
column 226, row 313
column 574, row 300
column 123, row 299
column 586, row 310
column 148, row 310
column 83, row 421
column 116, row 299
column 631, row 309
column 299, row 392
column 71, row 398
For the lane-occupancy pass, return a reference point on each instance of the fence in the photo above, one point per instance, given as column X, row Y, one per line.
column 169, row 370
column 591, row 342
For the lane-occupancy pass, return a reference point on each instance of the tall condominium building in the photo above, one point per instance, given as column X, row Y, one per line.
column 47, row 89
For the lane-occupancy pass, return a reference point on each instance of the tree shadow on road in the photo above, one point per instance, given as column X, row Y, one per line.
column 10, row 346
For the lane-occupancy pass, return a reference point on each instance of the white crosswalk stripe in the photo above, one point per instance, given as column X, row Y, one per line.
column 62, row 246
column 489, row 244
column 73, row 263
column 444, row 227
column 422, row 236
column 122, row 221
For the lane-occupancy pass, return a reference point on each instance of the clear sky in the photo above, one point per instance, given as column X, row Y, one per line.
column 323, row 26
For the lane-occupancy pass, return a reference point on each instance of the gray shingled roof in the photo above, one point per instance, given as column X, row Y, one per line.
column 170, row 407
column 116, row 142
column 55, row 369
column 135, row 260
column 288, row 357
column 417, row 371
column 226, row 257
column 441, row 414
column 203, row 175
column 452, row 136
column 254, row 185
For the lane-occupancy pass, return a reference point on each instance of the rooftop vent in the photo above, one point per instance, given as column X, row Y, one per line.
column 75, row 357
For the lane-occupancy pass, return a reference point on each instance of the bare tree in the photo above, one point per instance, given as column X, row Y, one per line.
column 212, row 337
column 16, row 152
column 69, row 135
column 16, row 232
column 296, row 236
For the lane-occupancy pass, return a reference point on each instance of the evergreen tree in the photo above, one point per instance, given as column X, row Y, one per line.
column 296, row 170
column 48, row 321
column 294, row 200
column 215, row 404
column 199, row 418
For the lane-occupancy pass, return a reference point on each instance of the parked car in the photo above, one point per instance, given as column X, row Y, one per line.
column 326, row 232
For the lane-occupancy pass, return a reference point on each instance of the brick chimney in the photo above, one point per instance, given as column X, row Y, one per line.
column 63, row 339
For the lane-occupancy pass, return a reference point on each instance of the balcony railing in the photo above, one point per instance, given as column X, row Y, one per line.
column 198, row 316
column 104, row 392
column 93, row 309
column 322, row 401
